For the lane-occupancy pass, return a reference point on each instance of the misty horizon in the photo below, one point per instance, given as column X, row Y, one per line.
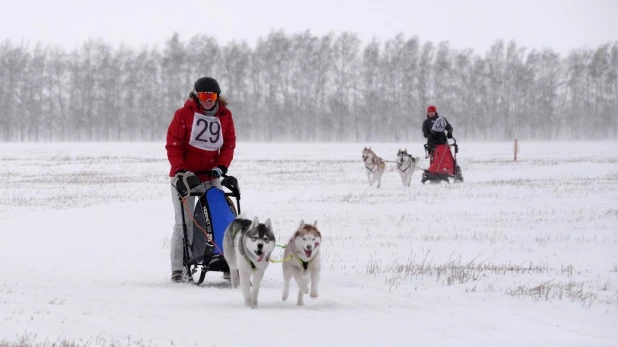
column 301, row 87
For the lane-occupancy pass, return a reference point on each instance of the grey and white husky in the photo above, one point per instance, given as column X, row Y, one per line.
column 406, row 164
column 247, row 246
column 374, row 165
column 303, row 251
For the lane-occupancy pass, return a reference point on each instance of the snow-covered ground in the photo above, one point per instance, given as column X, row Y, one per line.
column 522, row 254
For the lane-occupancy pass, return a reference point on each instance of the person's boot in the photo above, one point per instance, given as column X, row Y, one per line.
column 177, row 276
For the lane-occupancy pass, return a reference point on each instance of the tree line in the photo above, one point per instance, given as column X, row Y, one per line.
column 302, row 87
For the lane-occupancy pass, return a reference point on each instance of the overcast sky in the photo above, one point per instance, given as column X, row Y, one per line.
column 559, row 24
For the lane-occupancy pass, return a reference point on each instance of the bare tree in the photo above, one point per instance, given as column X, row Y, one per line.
column 345, row 53
column 303, row 87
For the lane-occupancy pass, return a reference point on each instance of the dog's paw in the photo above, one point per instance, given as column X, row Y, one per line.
column 300, row 302
column 285, row 295
column 304, row 289
column 254, row 303
column 314, row 293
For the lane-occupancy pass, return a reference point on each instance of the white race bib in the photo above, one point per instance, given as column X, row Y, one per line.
column 439, row 125
column 206, row 133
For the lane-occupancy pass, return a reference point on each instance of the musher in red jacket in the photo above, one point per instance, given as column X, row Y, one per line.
column 200, row 137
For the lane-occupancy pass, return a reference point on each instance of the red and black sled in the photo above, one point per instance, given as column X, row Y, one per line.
column 442, row 163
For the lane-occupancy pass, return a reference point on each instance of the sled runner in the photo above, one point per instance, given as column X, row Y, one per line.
column 442, row 163
column 213, row 212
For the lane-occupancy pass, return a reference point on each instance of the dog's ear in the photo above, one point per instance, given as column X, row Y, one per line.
column 268, row 224
column 302, row 222
column 315, row 224
column 255, row 223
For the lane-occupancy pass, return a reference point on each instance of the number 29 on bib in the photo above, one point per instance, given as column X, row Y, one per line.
column 206, row 133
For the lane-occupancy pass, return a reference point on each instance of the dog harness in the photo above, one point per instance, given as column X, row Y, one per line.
column 250, row 262
column 411, row 159
column 375, row 162
column 305, row 263
column 253, row 267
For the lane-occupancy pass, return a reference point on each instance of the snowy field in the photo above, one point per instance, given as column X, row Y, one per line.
column 522, row 254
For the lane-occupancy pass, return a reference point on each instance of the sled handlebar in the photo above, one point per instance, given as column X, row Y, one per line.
column 206, row 172
column 428, row 147
column 229, row 182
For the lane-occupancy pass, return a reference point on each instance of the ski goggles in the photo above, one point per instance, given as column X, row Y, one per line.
column 207, row 96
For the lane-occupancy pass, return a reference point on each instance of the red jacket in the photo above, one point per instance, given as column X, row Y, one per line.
column 181, row 152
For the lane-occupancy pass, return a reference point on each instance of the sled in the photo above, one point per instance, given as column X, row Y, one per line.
column 442, row 163
column 212, row 213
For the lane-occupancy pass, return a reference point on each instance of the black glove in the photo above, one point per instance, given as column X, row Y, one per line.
column 185, row 181
column 449, row 135
column 231, row 183
column 180, row 174
column 217, row 172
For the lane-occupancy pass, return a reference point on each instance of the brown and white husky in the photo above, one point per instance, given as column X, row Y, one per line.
column 302, row 261
column 374, row 166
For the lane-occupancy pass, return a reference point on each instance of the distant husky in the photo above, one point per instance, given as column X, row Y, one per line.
column 374, row 165
column 247, row 247
column 303, row 251
column 406, row 164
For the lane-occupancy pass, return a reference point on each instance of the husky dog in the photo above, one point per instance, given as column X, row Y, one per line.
column 303, row 251
column 247, row 247
column 374, row 165
column 405, row 166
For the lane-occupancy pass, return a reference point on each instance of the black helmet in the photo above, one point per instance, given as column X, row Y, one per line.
column 207, row 84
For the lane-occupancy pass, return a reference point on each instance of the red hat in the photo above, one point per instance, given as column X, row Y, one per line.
column 431, row 109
